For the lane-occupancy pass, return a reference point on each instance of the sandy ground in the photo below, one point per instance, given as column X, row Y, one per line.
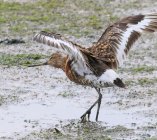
column 41, row 103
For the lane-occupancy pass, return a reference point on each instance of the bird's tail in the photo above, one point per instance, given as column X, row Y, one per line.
column 38, row 65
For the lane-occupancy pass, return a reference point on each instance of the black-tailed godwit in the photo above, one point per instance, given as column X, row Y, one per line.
column 95, row 66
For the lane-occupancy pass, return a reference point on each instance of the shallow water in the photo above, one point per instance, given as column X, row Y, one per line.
column 31, row 115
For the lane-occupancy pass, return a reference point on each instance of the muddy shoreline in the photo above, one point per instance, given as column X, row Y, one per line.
column 41, row 103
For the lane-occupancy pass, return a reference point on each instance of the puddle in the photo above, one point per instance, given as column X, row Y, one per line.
column 34, row 114
column 30, row 115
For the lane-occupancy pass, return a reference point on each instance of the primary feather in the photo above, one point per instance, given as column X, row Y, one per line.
column 118, row 38
column 64, row 46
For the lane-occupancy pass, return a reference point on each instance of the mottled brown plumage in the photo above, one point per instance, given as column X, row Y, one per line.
column 95, row 65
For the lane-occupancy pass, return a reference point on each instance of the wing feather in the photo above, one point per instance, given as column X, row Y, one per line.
column 58, row 43
column 120, row 37
column 64, row 46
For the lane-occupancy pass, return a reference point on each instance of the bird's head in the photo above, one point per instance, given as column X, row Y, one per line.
column 57, row 60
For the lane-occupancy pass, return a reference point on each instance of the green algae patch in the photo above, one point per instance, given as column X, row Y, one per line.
column 20, row 59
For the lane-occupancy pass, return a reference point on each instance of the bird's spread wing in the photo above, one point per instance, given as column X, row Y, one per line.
column 118, row 38
column 62, row 45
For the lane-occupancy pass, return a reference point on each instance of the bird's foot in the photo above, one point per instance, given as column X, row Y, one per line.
column 88, row 112
column 86, row 116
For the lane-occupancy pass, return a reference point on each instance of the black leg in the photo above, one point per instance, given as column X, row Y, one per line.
column 99, row 103
column 88, row 112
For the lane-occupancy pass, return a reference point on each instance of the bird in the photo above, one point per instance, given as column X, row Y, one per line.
column 96, row 65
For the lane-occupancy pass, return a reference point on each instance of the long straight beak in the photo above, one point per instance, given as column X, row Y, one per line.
column 38, row 65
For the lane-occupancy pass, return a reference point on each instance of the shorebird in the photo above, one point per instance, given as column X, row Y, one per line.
column 96, row 66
